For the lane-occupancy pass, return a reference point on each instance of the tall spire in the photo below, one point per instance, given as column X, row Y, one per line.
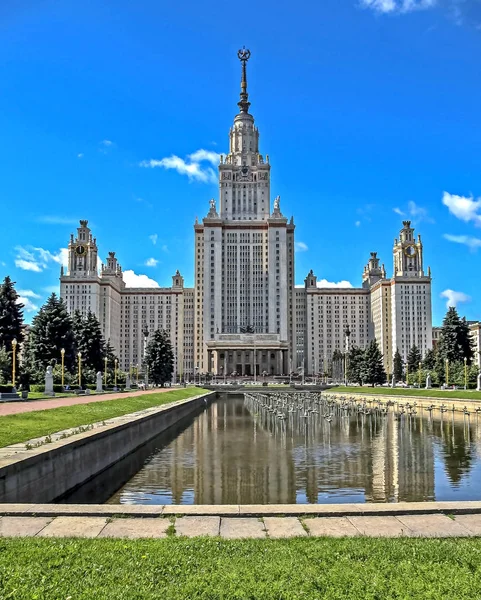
column 244, row 103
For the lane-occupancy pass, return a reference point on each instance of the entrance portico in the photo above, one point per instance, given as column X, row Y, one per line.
column 246, row 354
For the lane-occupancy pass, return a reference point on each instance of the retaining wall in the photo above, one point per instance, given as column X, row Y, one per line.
column 46, row 473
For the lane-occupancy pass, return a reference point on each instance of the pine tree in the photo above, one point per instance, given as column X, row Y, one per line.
column 89, row 341
column 455, row 341
column 5, row 366
column 413, row 359
column 398, row 366
column 373, row 368
column 355, row 359
column 429, row 361
column 159, row 358
column 11, row 318
column 50, row 332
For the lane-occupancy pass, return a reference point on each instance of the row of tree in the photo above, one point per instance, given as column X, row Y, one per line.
column 451, row 362
column 54, row 331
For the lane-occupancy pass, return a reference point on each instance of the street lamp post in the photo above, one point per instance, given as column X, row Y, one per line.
column 14, row 358
column 62, row 354
column 79, row 369
column 465, row 373
column 137, row 370
column 105, row 371
column 447, row 372
column 419, row 375
column 407, row 374
column 115, row 373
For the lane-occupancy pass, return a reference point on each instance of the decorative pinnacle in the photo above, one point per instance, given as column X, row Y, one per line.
column 244, row 103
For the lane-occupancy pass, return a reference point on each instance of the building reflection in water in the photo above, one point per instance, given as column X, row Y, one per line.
column 234, row 453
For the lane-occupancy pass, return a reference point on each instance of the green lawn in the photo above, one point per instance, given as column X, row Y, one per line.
column 214, row 569
column 456, row 394
column 25, row 426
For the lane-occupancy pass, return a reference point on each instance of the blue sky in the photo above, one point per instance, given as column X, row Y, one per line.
column 368, row 109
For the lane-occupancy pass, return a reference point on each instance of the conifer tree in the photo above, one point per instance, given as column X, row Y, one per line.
column 455, row 341
column 159, row 358
column 354, row 364
column 398, row 366
column 429, row 361
column 11, row 318
column 373, row 368
column 413, row 359
column 50, row 332
column 89, row 340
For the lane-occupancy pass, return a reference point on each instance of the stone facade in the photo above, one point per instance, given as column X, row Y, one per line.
column 244, row 313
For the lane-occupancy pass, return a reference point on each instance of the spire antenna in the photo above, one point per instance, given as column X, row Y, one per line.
column 244, row 103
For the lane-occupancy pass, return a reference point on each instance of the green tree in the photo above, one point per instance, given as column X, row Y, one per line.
column 455, row 342
column 159, row 358
column 413, row 359
column 50, row 332
column 429, row 361
column 89, row 342
column 373, row 368
column 5, row 366
column 11, row 318
column 398, row 366
column 355, row 359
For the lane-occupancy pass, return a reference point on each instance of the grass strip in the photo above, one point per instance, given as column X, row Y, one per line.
column 454, row 395
column 26, row 426
column 215, row 569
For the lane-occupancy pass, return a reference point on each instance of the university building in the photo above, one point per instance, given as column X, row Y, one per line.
column 245, row 313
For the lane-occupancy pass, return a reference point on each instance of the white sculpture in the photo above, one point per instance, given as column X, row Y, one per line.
column 127, row 382
column 49, row 381
column 277, row 203
column 478, row 388
column 212, row 205
column 428, row 382
column 99, row 387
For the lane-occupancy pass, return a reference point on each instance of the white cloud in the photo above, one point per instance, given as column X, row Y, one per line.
column 107, row 143
column 300, row 247
column 133, row 280
column 56, row 220
column 151, row 262
column 399, row 212
column 471, row 242
column 463, row 208
column 454, row 298
column 191, row 166
column 323, row 283
column 153, row 238
column 80, row 155
column 416, row 212
column 25, row 298
column 28, row 294
column 38, row 259
column 397, row 6
column 357, row 223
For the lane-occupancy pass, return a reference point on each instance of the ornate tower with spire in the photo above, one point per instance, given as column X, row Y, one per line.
column 244, row 261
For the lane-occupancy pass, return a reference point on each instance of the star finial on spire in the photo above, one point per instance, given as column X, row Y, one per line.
column 244, row 103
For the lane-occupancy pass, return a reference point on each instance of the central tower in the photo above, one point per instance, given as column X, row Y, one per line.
column 244, row 262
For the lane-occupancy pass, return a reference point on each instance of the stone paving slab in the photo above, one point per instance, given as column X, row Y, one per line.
column 74, row 527
column 471, row 522
column 201, row 509
column 331, row 526
column 433, row 526
column 380, row 526
column 233, row 528
column 22, row 526
column 196, row 526
column 136, row 528
column 284, row 527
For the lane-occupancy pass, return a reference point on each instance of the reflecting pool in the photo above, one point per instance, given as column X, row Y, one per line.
column 301, row 450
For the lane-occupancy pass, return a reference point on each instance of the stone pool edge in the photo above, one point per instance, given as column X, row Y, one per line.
column 236, row 510
column 49, row 471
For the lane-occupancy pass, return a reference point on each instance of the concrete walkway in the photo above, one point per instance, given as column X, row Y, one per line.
column 421, row 525
column 14, row 408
